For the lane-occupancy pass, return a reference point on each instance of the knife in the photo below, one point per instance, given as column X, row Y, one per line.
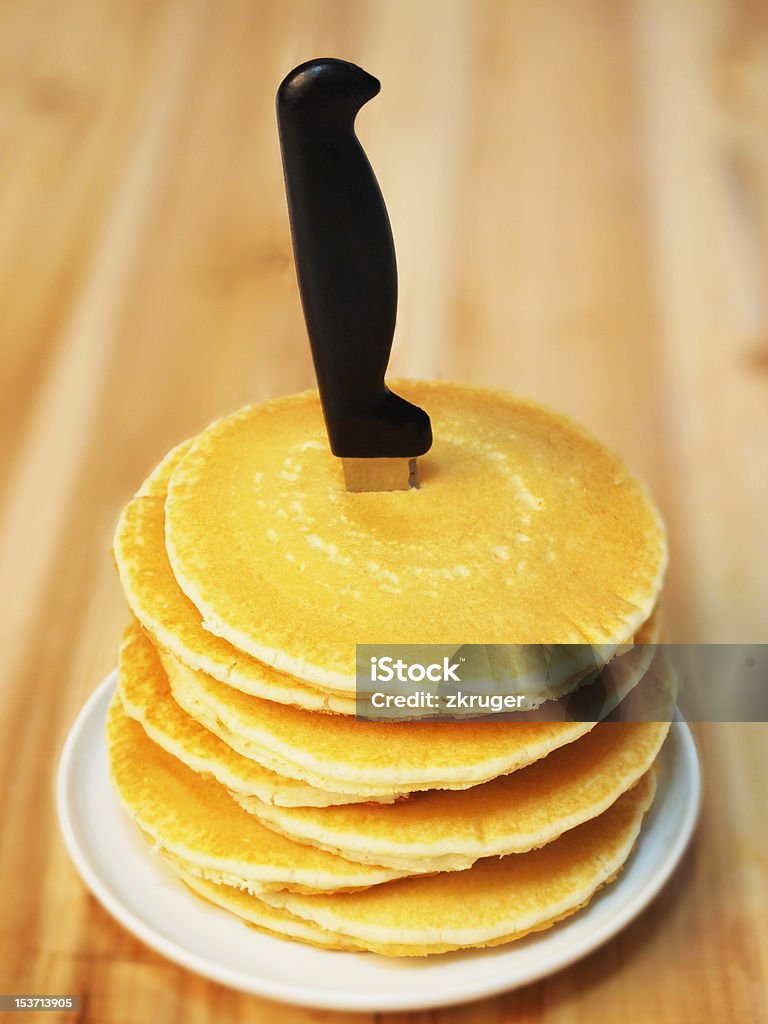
column 345, row 264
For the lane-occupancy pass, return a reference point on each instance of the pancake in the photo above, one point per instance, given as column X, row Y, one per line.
column 196, row 819
column 525, row 530
column 374, row 759
column 336, row 752
column 173, row 621
column 449, row 831
column 146, row 697
column 494, row 902
column 279, row 923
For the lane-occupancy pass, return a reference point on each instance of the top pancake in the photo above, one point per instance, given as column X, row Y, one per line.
column 524, row 530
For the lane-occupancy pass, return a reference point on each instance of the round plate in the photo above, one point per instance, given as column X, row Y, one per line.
column 146, row 897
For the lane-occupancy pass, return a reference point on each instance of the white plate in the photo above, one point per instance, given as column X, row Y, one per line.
column 145, row 896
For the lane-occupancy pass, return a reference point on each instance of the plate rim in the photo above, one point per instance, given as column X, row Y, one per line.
column 339, row 999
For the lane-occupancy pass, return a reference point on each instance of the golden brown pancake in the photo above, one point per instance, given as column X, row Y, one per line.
column 525, row 530
column 382, row 759
column 449, row 831
column 494, row 902
column 334, row 752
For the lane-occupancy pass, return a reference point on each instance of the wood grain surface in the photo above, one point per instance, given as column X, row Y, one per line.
column 579, row 196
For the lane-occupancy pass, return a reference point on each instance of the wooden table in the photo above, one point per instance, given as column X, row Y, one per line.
column 579, row 194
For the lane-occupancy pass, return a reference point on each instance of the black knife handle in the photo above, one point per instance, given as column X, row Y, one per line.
column 345, row 261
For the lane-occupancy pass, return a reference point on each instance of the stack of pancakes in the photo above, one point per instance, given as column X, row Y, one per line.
column 252, row 574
